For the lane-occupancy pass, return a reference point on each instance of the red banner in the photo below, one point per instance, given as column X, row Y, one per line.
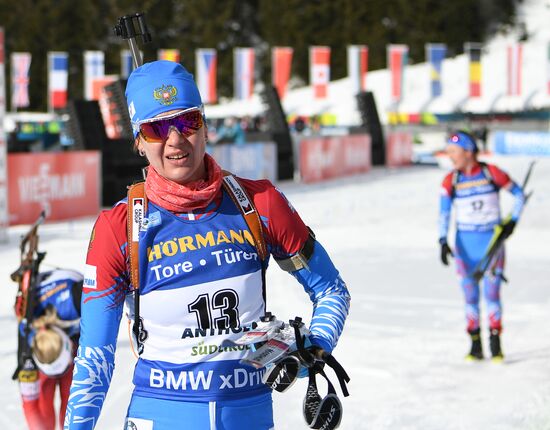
column 281, row 62
column 332, row 157
column 397, row 59
column 65, row 185
column 399, row 149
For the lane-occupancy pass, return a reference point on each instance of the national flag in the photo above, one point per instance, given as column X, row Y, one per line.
column 243, row 72
column 58, row 77
column 319, row 70
column 169, row 55
column 126, row 63
column 20, row 65
column 281, row 63
column 358, row 63
column 206, row 61
column 397, row 60
column 514, row 65
column 548, row 67
column 435, row 54
column 2, row 81
column 94, row 67
column 473, row 51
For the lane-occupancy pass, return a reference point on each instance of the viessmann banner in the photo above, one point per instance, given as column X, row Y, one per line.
column 65, row 185
column 331, row 157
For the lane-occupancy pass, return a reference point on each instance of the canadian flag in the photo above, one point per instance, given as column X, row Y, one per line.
column 319, row 60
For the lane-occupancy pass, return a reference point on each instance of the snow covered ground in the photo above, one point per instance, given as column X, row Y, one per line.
column 404, row 342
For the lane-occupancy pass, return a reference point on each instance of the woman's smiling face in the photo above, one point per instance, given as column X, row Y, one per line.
column 180, row 157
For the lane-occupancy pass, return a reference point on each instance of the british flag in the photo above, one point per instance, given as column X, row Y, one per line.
column 20, row 65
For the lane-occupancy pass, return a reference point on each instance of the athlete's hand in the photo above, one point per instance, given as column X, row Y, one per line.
column 508, row 229
column 445, row 251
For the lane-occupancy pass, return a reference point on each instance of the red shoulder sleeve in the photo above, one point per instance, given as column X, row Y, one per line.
column 284, row 230
column 447, row 184
column 500, row 178
column 107, row 250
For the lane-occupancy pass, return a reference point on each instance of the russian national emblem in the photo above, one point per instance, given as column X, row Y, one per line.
column 165, row 95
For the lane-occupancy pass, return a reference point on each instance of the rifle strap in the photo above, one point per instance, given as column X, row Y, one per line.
column 248, row 211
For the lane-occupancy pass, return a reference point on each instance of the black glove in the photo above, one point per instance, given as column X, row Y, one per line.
column 445, row 251
column 508, row 229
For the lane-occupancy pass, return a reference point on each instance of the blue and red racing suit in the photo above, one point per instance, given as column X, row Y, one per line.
column 477, row 211
column 201, row 282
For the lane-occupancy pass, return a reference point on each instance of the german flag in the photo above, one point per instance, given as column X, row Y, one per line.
column 473, row 51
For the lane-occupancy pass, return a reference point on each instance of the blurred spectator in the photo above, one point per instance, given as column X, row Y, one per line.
column 230, row 132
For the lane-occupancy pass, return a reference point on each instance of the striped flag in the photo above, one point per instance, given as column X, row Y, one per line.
column 281, row 63
column 2, row 80
column 126, row 63
column 94, row 67
column 358, row 63
column 474, row 54
column 20, row 65
column 169, row 55
column 58, row 77
column 514, row 65
column 319, row 70
column 435, row 54
column 206, row 61
column 397, row 59
column 548, row 68
column 243, row 72
column 4, row 218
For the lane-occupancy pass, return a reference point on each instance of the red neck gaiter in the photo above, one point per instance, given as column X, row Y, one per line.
column 184, row 198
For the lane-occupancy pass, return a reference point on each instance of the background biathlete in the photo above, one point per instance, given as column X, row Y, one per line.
column 473, row 189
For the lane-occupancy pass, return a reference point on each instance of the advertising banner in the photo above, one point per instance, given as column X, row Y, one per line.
column 65, row 185
column 332, row 157
column 521, row 142
column 251, row 161
column 399, row 149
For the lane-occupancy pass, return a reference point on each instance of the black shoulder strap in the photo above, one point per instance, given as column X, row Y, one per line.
column 487, row 173
column 454, row 181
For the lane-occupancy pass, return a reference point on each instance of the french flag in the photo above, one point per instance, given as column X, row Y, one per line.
column 243, row 65
column 58, row 76
column 207, row 65
column 94, row 67
column 319, row 71
column 126, row 63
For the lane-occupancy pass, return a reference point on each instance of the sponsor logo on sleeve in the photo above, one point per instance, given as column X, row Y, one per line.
column 90, row 277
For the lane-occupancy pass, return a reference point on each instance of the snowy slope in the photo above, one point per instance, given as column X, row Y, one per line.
column 404, row 342
column 416, row 82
